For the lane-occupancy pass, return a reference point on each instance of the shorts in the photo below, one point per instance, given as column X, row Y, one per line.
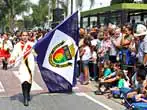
column 85, row 63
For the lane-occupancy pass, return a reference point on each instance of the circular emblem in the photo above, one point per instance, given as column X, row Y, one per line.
column 61, row 55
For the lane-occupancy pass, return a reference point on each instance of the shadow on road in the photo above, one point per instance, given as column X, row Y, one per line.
column 18, row 97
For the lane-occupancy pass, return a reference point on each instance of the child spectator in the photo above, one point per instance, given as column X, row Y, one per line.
column 122, row 83
column 107, row 68
column 93, row 61
column 85, row 54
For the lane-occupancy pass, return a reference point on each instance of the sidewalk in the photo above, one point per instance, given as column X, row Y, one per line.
column 89, row 89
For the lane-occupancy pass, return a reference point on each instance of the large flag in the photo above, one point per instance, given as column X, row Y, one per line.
column 56, row 55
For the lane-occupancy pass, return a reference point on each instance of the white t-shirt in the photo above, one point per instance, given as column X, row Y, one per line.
column 87, row 53
column 94, row 42
column 113, row 49
column 94, row 55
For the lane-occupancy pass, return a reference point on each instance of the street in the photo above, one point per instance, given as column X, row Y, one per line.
column 102, row 43
column 82, row 97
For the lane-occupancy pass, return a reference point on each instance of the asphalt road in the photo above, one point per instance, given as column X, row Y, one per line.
column 82, row 97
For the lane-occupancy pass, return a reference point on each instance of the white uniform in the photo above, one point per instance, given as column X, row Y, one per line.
column 22, row 50
column 6, row 45
column 5, row 48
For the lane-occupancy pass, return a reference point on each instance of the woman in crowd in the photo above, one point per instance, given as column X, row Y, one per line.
column 104, row 50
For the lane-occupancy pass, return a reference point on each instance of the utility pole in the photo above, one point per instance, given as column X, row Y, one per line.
column 71, row 6
column 49, row 13
column 57, row 4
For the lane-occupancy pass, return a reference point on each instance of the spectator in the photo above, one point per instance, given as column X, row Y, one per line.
column 115, row 45
column 141, row 32
column 85, row 54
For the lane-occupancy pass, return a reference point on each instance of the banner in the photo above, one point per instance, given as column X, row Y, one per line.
column 56, row 55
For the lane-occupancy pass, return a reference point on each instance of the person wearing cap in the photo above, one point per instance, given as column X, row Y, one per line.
column 141, row 32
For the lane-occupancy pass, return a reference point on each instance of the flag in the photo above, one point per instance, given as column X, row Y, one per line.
column 56, row 55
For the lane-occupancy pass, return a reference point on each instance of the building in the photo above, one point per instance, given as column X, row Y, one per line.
column 116, row 14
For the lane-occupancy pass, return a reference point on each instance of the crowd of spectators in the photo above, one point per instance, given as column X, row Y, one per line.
column 116, row 58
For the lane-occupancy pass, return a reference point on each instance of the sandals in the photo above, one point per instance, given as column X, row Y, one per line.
column 85, row 83
column 98, row 92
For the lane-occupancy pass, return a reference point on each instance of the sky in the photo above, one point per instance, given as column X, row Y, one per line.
column 97, row 4
column 34, row 1
column 19, row 17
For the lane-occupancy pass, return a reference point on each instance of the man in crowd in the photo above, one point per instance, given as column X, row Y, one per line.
column 141, row 32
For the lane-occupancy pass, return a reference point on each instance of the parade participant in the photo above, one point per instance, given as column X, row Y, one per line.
column 5, row 49
column 22, row 53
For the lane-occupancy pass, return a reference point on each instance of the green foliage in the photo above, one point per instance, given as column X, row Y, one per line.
column 53, row 3
column 40, row 12
column 9, row 9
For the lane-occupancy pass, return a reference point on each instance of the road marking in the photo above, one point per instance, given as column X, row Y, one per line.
column 34, row 87
column 2, row 87
column 94, row 100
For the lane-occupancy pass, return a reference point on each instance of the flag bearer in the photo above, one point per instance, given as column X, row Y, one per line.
column 23, row 56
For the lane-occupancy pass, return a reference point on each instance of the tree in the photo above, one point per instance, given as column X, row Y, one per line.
column 12, row 8
column 40, row 12
column 3, row 13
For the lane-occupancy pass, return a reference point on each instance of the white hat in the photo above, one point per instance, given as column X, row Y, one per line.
column 113, row 26
column 140, row 30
